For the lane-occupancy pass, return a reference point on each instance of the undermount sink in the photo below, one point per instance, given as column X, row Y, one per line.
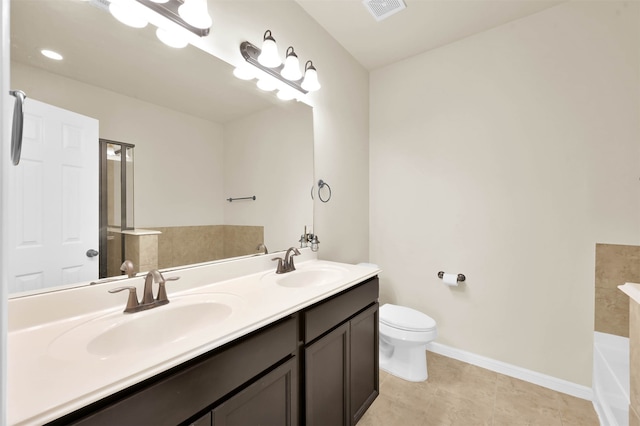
column 117, row 333
column 311, row 276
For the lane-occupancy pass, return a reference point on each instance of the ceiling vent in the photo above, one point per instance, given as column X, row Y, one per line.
column 382, row 9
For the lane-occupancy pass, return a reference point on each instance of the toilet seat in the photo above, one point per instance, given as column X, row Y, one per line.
column 404, row 318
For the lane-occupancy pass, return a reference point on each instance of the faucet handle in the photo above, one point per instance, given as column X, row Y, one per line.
column 290, row 266
column 132, row 302
column 162, row 291
column 280, row 269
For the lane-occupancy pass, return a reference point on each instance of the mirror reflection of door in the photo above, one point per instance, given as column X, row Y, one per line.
column 53, row 200
column 116, row 203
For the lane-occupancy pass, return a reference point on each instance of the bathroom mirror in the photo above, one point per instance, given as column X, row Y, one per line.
column 201, row 136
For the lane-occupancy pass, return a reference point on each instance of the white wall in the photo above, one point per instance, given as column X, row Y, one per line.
column 165, row 141
column 341, row 115
column 506, row 156
column 5, row 139
column 277, row 144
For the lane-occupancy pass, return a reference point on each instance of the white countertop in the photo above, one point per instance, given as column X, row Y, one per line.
column 632, row 290
column 44, row 385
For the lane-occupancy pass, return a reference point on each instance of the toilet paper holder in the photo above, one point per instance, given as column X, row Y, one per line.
column 461, row 277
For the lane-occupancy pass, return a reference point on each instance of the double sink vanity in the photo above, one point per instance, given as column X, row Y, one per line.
column 237, row 344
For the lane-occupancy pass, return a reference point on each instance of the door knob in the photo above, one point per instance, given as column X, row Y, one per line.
column 92, row 253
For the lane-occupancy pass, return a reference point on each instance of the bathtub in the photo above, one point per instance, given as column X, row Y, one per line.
column 611, row 378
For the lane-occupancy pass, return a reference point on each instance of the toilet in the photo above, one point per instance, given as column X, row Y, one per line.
column 404, row 334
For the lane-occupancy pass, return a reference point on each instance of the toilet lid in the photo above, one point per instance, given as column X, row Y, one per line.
column 405, row 318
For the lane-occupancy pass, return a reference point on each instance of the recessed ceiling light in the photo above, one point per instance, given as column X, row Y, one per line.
column 51, row 54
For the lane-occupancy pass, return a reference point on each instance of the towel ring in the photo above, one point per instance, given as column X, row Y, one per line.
column 322, row 184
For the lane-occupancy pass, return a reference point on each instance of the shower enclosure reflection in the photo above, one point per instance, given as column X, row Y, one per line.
column 116, row 203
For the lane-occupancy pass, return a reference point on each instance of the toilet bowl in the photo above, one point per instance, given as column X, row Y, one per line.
column 404, row 334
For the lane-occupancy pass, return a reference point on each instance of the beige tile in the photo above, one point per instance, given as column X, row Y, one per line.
column 449, row 409
column 414, row 394
column 442, row 400
column 387, row 412
column 611, row 311
column 634, row 355
column 577, row 412
column 526, row 403
column 242, row 240
column 616, row 264
column 462, row 379
column 132, row 249
column 148, row 246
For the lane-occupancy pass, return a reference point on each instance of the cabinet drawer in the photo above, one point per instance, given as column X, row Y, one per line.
column 196, row 385
column 324, row 316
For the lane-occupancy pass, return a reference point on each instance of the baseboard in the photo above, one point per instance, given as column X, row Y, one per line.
column 510, row 370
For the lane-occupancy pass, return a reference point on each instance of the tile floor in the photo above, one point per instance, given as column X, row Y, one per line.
column 462, row 394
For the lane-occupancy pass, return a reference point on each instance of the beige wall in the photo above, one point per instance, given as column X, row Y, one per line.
column 506, row 156
column 277, row 144
column 341, row 112
column 197, row 147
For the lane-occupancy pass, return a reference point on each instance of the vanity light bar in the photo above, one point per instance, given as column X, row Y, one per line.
column 250, row 53
column 170, row 11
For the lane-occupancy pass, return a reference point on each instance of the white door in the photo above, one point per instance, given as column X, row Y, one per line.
column 53, row 200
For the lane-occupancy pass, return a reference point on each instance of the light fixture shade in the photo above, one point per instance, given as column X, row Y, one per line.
column 310, row 81
column 269, row 55
column 291, row 70
column 171, row 38
column 266, row 84
column 195, row 13
column 129, row 12
column 244, row 72
column 159, row 1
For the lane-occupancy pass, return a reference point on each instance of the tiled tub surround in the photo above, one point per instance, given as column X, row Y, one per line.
column 615, row 265
column 187, row 245
column 42, row 388
column 633, row 293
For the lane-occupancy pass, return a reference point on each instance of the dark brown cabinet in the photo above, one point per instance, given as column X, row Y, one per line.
column 270, row 401
column 327, row 379
column 341, row 366
column 318, row 366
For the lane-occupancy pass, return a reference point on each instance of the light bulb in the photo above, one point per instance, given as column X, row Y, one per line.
column 291, row 70
column 244, row 72
column 310, row 81
column 286, row 94
column 171, row 39
column 266, row 84
column 269, row 55
column 195, row 13
column 129, row 12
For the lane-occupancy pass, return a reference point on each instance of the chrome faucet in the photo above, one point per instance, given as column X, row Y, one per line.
column 286, row 265
column 148, row 301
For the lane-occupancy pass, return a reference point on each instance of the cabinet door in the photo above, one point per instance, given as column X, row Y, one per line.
column 364, row 373
column 271, row 400
column 326, row 375
column 202, row 421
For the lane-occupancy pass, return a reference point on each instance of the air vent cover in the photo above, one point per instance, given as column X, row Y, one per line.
column 381, row 9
